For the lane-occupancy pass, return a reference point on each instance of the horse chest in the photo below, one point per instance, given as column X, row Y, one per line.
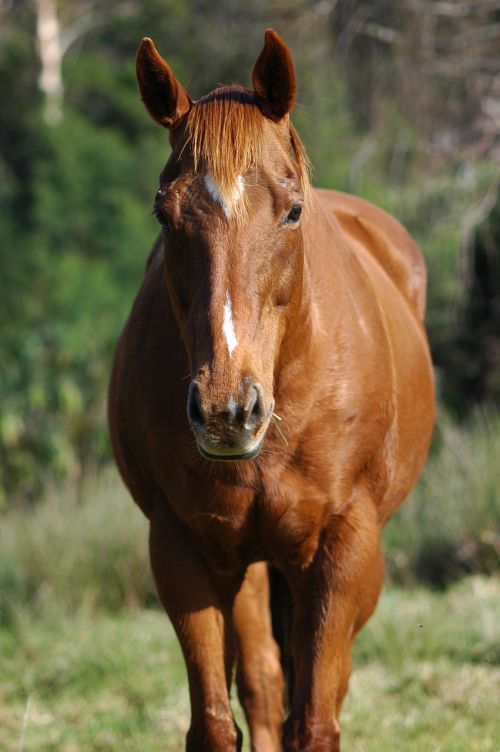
column 291, row 515
column 279, row 520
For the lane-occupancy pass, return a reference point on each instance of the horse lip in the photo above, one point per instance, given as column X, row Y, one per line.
column 218, row 451
column 231, row 456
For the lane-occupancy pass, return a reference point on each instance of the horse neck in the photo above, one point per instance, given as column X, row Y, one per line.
column 297, row 365
column 325, row 306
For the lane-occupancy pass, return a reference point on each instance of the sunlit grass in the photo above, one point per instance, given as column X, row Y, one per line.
column 429, row 672
column 93, row 683
column 427, row 678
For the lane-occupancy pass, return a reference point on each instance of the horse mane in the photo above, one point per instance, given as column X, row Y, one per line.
column 226, row 131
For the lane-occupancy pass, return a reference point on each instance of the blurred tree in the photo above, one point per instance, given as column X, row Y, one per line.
column 49, row 45
column 474, row 357
column 439, row 60
column 75, row 233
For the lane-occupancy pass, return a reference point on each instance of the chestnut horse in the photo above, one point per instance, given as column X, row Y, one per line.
column 271, row 403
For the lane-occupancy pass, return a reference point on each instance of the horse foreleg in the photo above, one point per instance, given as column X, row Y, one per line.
column 197, row 606
column 333, row 597
column 368, row 600
column 259, row 676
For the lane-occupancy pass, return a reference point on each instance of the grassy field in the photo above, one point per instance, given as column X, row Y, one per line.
column 89, row 663
column 427, row 678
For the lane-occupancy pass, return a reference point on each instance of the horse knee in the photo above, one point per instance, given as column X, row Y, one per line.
column 217, row 735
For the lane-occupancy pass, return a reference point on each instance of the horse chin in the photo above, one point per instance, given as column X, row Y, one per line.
column 224, row 454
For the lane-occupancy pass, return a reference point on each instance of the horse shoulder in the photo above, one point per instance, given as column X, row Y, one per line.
column 370, row 229
column 147, row 367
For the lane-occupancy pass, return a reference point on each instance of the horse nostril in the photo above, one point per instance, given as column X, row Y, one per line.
column 254, row 409
column 194, row 406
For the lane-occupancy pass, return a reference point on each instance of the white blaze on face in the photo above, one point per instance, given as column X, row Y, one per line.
column 226, row 201
column 228, row 326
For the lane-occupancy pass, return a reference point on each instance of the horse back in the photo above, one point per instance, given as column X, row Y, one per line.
column 370, row 229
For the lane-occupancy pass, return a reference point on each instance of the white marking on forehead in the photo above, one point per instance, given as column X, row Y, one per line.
column 228, row 326
column 226, row 201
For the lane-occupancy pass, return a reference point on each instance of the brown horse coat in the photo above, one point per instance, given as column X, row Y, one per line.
column 297, row 344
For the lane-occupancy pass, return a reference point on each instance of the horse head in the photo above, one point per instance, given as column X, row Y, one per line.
column 230, row 202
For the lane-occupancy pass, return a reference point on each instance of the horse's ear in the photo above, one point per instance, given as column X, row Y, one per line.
column 165, row 98
column 274, row 79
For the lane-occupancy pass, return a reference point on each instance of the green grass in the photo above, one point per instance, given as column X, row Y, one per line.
column 427, row 678
column 88, row 662
column 450, row 526
column 74, row 550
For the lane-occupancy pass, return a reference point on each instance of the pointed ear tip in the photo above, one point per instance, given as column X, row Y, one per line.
column 146, row 45
column 271, row 35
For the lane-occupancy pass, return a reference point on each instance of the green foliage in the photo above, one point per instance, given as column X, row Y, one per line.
column 451, row 523
column 75, row 200
column 76, row 231
column 74, row 276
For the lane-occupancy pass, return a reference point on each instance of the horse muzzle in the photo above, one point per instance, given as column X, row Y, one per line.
column 235, row 432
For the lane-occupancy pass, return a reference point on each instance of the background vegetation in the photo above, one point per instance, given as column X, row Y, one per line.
column 398, row 102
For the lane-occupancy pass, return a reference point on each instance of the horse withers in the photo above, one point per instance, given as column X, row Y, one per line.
column 271, row 404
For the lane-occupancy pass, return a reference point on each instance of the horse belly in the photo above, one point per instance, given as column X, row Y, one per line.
column 410, row 375
column 413, row 394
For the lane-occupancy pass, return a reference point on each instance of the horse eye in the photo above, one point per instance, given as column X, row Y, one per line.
column 293, row 215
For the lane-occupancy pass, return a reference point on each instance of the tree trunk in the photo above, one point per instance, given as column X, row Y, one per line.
column 49, row 41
